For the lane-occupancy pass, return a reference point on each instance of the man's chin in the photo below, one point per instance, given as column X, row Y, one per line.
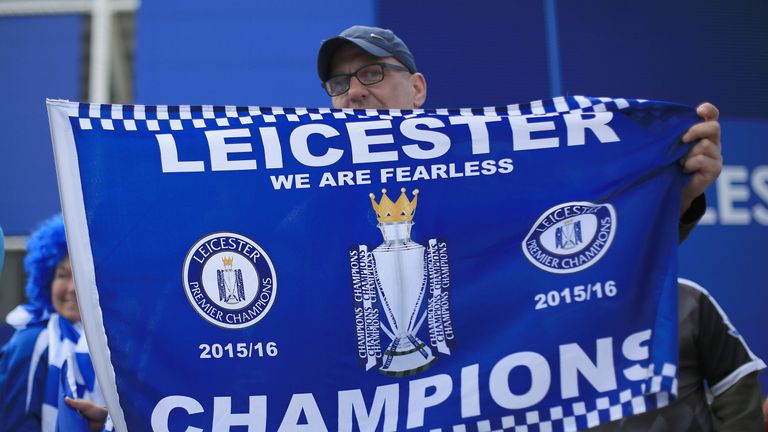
column 369, row 104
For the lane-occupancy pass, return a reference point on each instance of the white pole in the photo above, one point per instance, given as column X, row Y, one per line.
column 101, row 33
column 49, row 7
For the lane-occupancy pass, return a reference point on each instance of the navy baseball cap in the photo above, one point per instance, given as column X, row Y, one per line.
column 375, row 41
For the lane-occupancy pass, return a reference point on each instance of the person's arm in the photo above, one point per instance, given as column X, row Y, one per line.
column 705, row 160
column 765, row 414
column 16, row 412
column 739, row 407
column 691, row 217
column 729, row 368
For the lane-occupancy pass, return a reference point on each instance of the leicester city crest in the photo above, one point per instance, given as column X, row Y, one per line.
column 229, row 280
column 570, row 237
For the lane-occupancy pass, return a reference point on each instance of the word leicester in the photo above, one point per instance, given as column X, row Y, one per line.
column 367, row 410
column 371, row 141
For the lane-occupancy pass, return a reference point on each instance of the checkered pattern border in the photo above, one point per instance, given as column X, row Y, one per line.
column 168, row 117
column 657, row 391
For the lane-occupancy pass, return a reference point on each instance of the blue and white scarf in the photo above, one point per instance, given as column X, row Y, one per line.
column 62, row 345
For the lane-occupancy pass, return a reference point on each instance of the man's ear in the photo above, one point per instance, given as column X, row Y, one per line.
column 419, row 84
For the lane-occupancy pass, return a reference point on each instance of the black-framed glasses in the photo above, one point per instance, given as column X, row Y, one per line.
column 367, row 75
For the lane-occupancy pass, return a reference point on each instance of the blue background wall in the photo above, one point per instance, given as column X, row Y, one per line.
column 473, row 54
column 39, row 57
column 239, row 52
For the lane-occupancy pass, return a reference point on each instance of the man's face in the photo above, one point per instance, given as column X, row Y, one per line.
column 398, row 90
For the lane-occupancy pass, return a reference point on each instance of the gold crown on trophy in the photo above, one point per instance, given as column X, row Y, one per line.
column 227, row 260
column 401, row 210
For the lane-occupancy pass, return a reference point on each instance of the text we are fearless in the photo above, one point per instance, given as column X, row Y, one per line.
column 395, row 174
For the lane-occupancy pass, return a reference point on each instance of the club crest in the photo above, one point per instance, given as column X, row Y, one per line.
column 570, row 237
column 229, row 280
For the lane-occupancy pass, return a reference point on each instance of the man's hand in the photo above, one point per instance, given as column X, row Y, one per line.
column 95, row 414
column 705, row 160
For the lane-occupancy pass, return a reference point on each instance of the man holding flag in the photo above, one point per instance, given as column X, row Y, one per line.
column 386, row 77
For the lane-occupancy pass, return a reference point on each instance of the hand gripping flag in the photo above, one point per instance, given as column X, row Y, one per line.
column 292, row 269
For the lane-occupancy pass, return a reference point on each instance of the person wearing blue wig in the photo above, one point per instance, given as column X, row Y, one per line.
column 48, row 351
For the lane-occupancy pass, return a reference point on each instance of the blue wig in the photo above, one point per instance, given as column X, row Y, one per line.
column 46, row 247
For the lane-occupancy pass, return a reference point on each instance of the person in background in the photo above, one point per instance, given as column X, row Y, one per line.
column 48, row 349
column 765, row 414
column 717, row 389
column 370, row 67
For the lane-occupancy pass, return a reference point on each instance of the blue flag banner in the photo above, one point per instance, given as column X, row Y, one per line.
column 294, row 269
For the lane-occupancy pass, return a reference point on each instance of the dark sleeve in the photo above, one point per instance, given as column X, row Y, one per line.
column 723, row 356
column 691, row 217
column 740, row 407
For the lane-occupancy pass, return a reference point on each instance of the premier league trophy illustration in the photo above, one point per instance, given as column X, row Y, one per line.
column 401, row 283
column 230, row 282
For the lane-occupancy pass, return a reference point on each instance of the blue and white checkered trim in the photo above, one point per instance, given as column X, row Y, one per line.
column 657, row 391
column 180, row 117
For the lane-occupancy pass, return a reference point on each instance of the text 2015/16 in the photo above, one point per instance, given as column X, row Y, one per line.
column 240, row 350
column 578, row 293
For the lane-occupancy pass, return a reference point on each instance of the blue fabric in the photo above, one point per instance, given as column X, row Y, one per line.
column 85, row 367
column 68, row 419
column 68, row 332
column 15, row 364
column 33, row 366
column 241, row 266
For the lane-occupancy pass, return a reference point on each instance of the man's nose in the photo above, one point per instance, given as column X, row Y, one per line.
column 357, row 90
